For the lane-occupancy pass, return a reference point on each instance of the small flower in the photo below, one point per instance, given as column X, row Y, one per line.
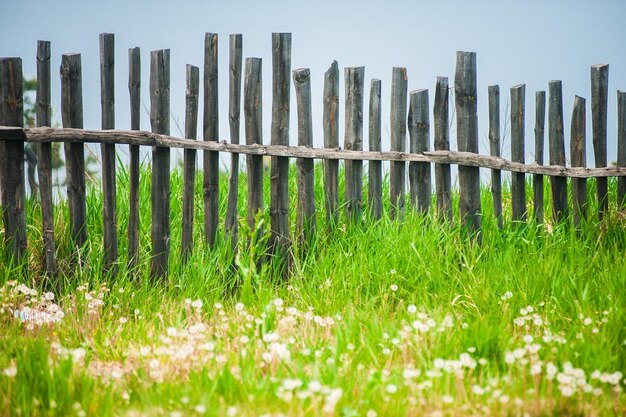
column 411, row 309
column 393, row 287
column 391, row 389
column 371, row 413
column 447, row 399
column 231, row 411
column 197, row 304
column 10, row 372
column 200, row 409
column 48, row 296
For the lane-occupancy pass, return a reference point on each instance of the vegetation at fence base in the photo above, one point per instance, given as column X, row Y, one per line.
column 389, row 318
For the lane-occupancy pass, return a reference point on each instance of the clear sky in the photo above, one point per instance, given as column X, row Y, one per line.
column 529, row 42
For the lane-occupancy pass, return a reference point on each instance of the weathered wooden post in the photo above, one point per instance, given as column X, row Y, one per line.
column 599, row 99
column 375, row 176
column 160, row 122
column 443, row 179
column 234, row 109
column 621, row 146
column 353, row 140
column 109, row 189
column 306, row 174
column 419, row 136
column 44, row 158
column 398, row 125
column 211, row 133
column 494, row 150
column 279, row 185
column 578, row 158
column 467, row 138
column 518, row 179
column 72, row 115
column 331, row 140
column 253, row 113
column 189, row 163
column 14, row 188
column 557, row 149
column 134, row 89
column 540, row 121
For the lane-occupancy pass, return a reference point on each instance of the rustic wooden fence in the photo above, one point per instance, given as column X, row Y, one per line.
column 409, row 111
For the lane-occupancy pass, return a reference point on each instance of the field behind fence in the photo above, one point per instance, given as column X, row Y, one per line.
column 410, row 113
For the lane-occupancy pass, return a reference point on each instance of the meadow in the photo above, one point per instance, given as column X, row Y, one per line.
column 387, row 318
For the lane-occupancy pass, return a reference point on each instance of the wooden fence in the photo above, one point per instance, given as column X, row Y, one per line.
column 409, row 111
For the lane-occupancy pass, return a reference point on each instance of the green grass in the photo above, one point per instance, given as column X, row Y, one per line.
column 388, row 318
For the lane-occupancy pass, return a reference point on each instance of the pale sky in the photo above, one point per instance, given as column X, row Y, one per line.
column 529, row 42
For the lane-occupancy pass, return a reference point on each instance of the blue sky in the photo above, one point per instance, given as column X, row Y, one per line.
column 529, row 42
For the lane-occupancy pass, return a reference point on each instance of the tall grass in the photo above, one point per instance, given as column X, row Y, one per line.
column 377, row 318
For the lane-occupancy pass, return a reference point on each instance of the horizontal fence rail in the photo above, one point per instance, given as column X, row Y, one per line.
column 410, row 121
column 143, row 138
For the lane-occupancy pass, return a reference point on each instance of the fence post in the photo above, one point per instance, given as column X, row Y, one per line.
column 599, row 99
column 14, row 191
column 398, row 125
column 353, row 140
column 234, row 109
column 72, row 115
column 189, row 170
column 621, row 146
column 306, row 174
column 331, row 140
column 134, row 89
column 419, row 135
column 578, row 158
column 211, row 133
column 443, row 179
column 160, row 122
column 109, row 190
column 557, row 149
column 253, row 113
column 540, row 121
column 494, row 150
column 518, row 179
column 467, row 138
column 44, row 158
column 279, row 186
column 375, row 177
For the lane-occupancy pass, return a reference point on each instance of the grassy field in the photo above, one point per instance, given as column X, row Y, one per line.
column 393, row 318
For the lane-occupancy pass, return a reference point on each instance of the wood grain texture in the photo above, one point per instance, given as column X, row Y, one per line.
column 253, row 114
column 540, row 122
column 599, row 114
column 160, row 123
column 518, row 135
column 134, row 89
column 419, row 138
column 44, row 160
column 331, row 140
column 494, row 150
column 398, row 126
column 231, row 223
column 306, row 175
column 14, row 191
column 353, row 140
column 211, row 161
column 72, row 116
column 279, row 176
column 467, row 138
column 578, row 157
column 109, row 188
column 556, row 138
column 443, row 178
column 375, row 174
column 189, row 163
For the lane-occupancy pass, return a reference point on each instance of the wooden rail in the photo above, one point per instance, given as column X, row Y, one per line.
column 409, row 113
